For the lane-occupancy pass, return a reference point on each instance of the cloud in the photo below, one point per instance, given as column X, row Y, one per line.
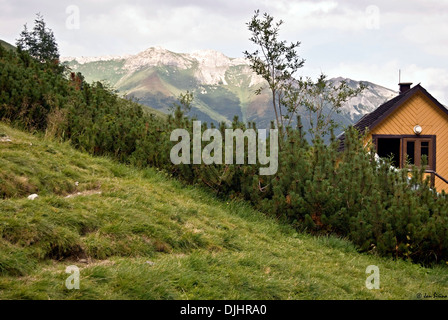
column 429, row 34
column 434, row 79
column 363, row 39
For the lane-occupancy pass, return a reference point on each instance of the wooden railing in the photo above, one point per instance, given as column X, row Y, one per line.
column 433, row 173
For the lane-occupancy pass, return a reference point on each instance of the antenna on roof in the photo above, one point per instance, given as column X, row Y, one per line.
column 399, row 75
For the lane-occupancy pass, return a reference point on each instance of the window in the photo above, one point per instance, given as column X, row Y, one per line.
column 407, row 149
column 410, row 152
column 389, row 148
column 424, row 149
column 416, row 149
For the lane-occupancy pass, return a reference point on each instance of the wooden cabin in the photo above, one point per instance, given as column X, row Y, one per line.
column 409, row 126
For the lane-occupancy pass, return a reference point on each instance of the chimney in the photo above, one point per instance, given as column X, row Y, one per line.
column 404, row 86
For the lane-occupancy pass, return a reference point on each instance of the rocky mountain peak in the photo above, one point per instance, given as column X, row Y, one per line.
column 223, row 86
column 156, row 56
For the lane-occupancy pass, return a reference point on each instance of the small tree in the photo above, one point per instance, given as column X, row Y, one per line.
column 39, row 43
column 320, row 100
column 186, row 101
column 275, row 61
column 181, row 108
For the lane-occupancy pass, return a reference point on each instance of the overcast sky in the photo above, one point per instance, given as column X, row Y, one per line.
column 362, row 40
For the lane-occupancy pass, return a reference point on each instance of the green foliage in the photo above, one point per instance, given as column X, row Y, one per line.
column 147, row 236
column 39, row 43
column 320, row 100
column 380, row 208
column 277, row 63
column 29, row 90
column 275, row 60
column 184, row 105
column 317, row 188
column 7, row 46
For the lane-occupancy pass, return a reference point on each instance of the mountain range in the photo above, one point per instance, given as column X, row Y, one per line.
column 7, row 45
column 222, row 87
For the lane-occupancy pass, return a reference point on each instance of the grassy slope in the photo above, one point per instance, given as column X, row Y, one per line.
column 198, row 247
column 105, row 71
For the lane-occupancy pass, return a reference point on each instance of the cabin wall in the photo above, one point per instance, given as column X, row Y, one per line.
column 420, row 110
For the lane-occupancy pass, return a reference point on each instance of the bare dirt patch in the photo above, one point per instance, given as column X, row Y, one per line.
column 83, row 193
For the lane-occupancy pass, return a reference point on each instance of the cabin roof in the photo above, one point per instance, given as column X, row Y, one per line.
column 372, row 119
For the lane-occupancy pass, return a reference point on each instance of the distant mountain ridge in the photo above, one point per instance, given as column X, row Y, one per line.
column 223, row 87
column 7, row 45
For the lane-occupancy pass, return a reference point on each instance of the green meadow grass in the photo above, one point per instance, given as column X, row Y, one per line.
column 138, row 234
